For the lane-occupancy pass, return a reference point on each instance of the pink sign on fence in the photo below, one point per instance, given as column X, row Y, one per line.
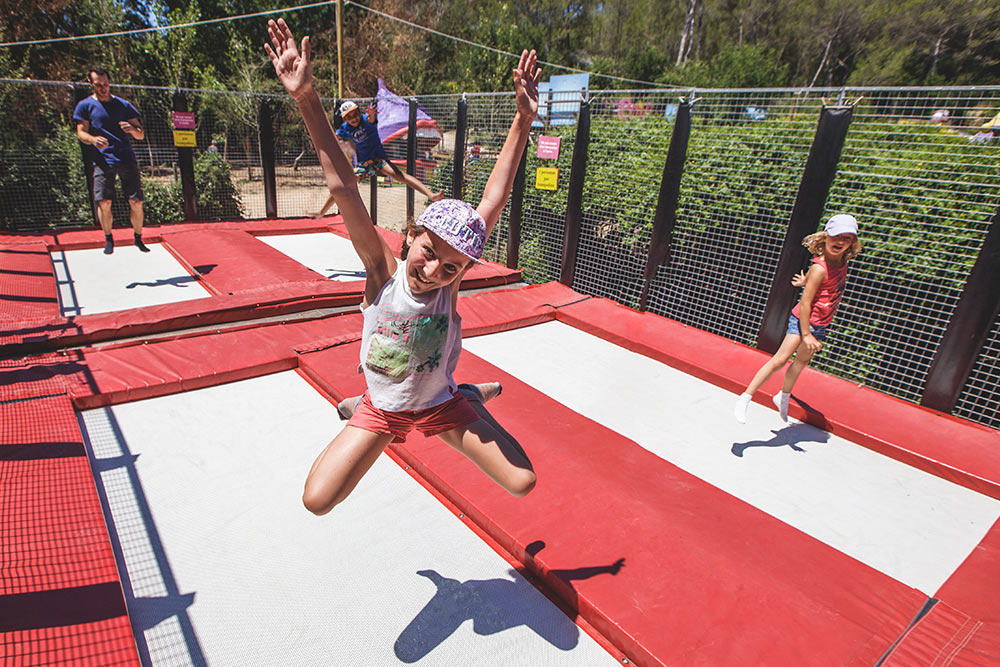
column 548, row 147
column 184, row 120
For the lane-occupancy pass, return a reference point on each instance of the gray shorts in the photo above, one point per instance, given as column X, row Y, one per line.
column 104, row 181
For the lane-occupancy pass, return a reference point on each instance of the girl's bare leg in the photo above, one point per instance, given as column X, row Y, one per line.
column 802, row 356
column 494, row 451
column 340, row 466
column 414, row 183
column 772, row 366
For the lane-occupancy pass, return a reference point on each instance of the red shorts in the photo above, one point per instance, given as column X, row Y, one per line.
column 431, row 421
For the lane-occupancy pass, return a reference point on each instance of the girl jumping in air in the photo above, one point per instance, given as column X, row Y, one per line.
column 824, row 285
column 363, row 134
column 411, row 337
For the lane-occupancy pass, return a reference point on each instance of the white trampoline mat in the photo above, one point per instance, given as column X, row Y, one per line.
column 226, row 567
column 91, row 282
column 325, row 253
column 911, row 525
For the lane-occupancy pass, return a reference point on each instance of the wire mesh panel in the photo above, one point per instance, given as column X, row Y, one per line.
column 229, row 176
column 42, row 181
column 746, row 155
column 301, row 186
column 924, row 195
column 629, row 137
column 489, row 120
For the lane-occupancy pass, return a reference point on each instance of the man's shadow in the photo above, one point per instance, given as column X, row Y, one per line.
column 177, row 281
column 791, row 436
column 493, row 605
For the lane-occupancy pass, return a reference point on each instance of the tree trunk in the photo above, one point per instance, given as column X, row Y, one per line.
column 822, row 62
column 687, row 34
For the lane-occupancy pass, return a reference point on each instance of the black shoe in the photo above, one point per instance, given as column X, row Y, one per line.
column 137, row 240
column 109, row 244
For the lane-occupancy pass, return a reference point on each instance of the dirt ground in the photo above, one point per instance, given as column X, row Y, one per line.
column 305, row 190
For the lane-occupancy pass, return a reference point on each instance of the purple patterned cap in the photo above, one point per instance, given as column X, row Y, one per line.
column 458, row 224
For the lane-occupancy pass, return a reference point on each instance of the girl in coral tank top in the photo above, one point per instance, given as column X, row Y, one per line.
column 824, row 285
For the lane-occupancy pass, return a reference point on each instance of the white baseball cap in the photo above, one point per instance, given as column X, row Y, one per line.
column 842, row 223
column 347, row 106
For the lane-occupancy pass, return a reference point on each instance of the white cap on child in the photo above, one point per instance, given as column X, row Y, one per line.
column 347, row 106
column 842, row 223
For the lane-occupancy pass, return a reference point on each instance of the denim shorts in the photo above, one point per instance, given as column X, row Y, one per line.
column 794, row 329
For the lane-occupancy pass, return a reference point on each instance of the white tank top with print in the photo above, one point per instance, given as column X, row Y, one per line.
column 410, row 345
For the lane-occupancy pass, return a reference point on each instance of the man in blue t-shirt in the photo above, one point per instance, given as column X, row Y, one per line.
column 363, row 134
column 106, row 122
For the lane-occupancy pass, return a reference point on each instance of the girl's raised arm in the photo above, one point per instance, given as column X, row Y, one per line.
column 497, row 190
column 294, row 70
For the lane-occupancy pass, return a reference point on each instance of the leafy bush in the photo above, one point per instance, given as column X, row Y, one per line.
column 162, row 203
column 44, row 186
column 218, row 198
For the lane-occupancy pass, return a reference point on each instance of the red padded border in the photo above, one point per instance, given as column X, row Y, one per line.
column 233, row 261
column 53, row 541
column 946, row 636
column 27, row 283
column 980, row 572
column 107, row 643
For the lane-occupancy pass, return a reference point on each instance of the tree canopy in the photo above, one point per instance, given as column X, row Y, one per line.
column 704, row 43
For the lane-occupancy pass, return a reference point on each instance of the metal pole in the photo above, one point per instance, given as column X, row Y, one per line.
column 373, row 206
column 574, row 198
column 340, row 48
column 666, row 203
column 185, row 156
column 516, row 214
column 968, row 328
column 458, row 162
column 265, row 136
column 411, row 155
column 821, row 167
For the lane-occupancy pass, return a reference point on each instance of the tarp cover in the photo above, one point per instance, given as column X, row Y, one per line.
column 394, row 116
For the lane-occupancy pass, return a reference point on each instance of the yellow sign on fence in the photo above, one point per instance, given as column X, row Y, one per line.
column 184, row 139
column 546, row 178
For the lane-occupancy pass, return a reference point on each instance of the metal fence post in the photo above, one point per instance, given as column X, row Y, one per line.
column 516, row 214
column 411, row 154
column 185, row 156
column 666, row 202
column 458, row 161
column 970, row 323
column 265, row 140
column 373, row 198
column 574, row 198
column 821, row 167
column 81, row 93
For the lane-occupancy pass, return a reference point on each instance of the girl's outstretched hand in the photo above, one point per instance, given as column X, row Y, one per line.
column 526, row 76
column 799, row 280
column 293, row 68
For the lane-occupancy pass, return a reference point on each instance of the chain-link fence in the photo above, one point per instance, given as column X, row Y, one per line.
column 917, row 168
